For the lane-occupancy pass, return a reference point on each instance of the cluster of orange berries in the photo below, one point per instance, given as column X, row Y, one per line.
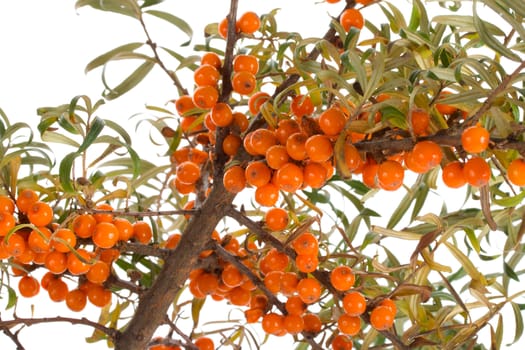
column 289, row 282
column 201, row 343
column 63, row 249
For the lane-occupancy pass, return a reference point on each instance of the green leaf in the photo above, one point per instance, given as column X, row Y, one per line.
column 94, row 130
column 176, row 21
column 12, row 297
column 123, row 7
column 511, row 201
column 130, row 82
column 52, row 136
column 518, row 319
column 196, row 307
column 64, row 172
column 510, row 272
column 487, row 36
column 108, row 56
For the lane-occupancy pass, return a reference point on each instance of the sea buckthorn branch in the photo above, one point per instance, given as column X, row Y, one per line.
column 8, row 324
column 323, row 276
column 505, row 83
column 330, row 36
column 175, row 271
column 181, row 89
column 272, row 299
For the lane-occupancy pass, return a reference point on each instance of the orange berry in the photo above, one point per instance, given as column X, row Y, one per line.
column 312, row 323
column 98, row 295
column 207, row 283
column 277, row 156
column 452, row 174
column 427, row 154
column 289, row 283
column 231, row 276
column 475, row 139
column 354, row 303
column 273, row 323
column 248, row 23
column 240, row 122
column 56, row 262
column 76, row 300
column 142, row 232
column 445, row 108
column 212, row 59
column 205, row 96
column 351, row 18
column 306, row 263
column 274, row 260
column 319, row 148
column 257, row 100
column 124, row 227
column 477, row 171
column 78, row 265
column 420, row 122
column 234, row 179
column 390, row 304
column 231, row 144
column 253, row 315
column 390, row 175
column 244, row 82
column 289, row 177
column 314, row 174
column 63, row 239
column 106, row 235
column 294, row 324
column 15, row 244
column 84, row 225
column 57, row 289
column 306, row 244
column 104, row 215
column 188, row 172
column 7, row 204
column 332, row 121
column 261, row 140
column 272, row 281
column 296, row 146
column 204, row 343
column 276, row 219
column 25, row 199
column 257, row 173
column 301, row 106
column 223, row 28
column 353, row 159
column 381, row 318
column 28, row 286
column 247, row 63
column 516, row 172
column 342, row 278
column 309, row 290
column 295, row 306
column 206, row 74
column 286, row 128
column 342, row 342
column 7, row 222
column 221, row 114
column 267, row 195
column 39, row 240
column 184, row 104
column 98, row 272
column 350, row 325
column 369, row 173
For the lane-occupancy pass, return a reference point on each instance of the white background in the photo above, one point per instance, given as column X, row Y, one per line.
column 45, row 47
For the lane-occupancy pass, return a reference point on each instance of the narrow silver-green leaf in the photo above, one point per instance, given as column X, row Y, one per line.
column 108, row 56
column 487, row 36
column 130, row 82
column 64, row 172
column 176, row 21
